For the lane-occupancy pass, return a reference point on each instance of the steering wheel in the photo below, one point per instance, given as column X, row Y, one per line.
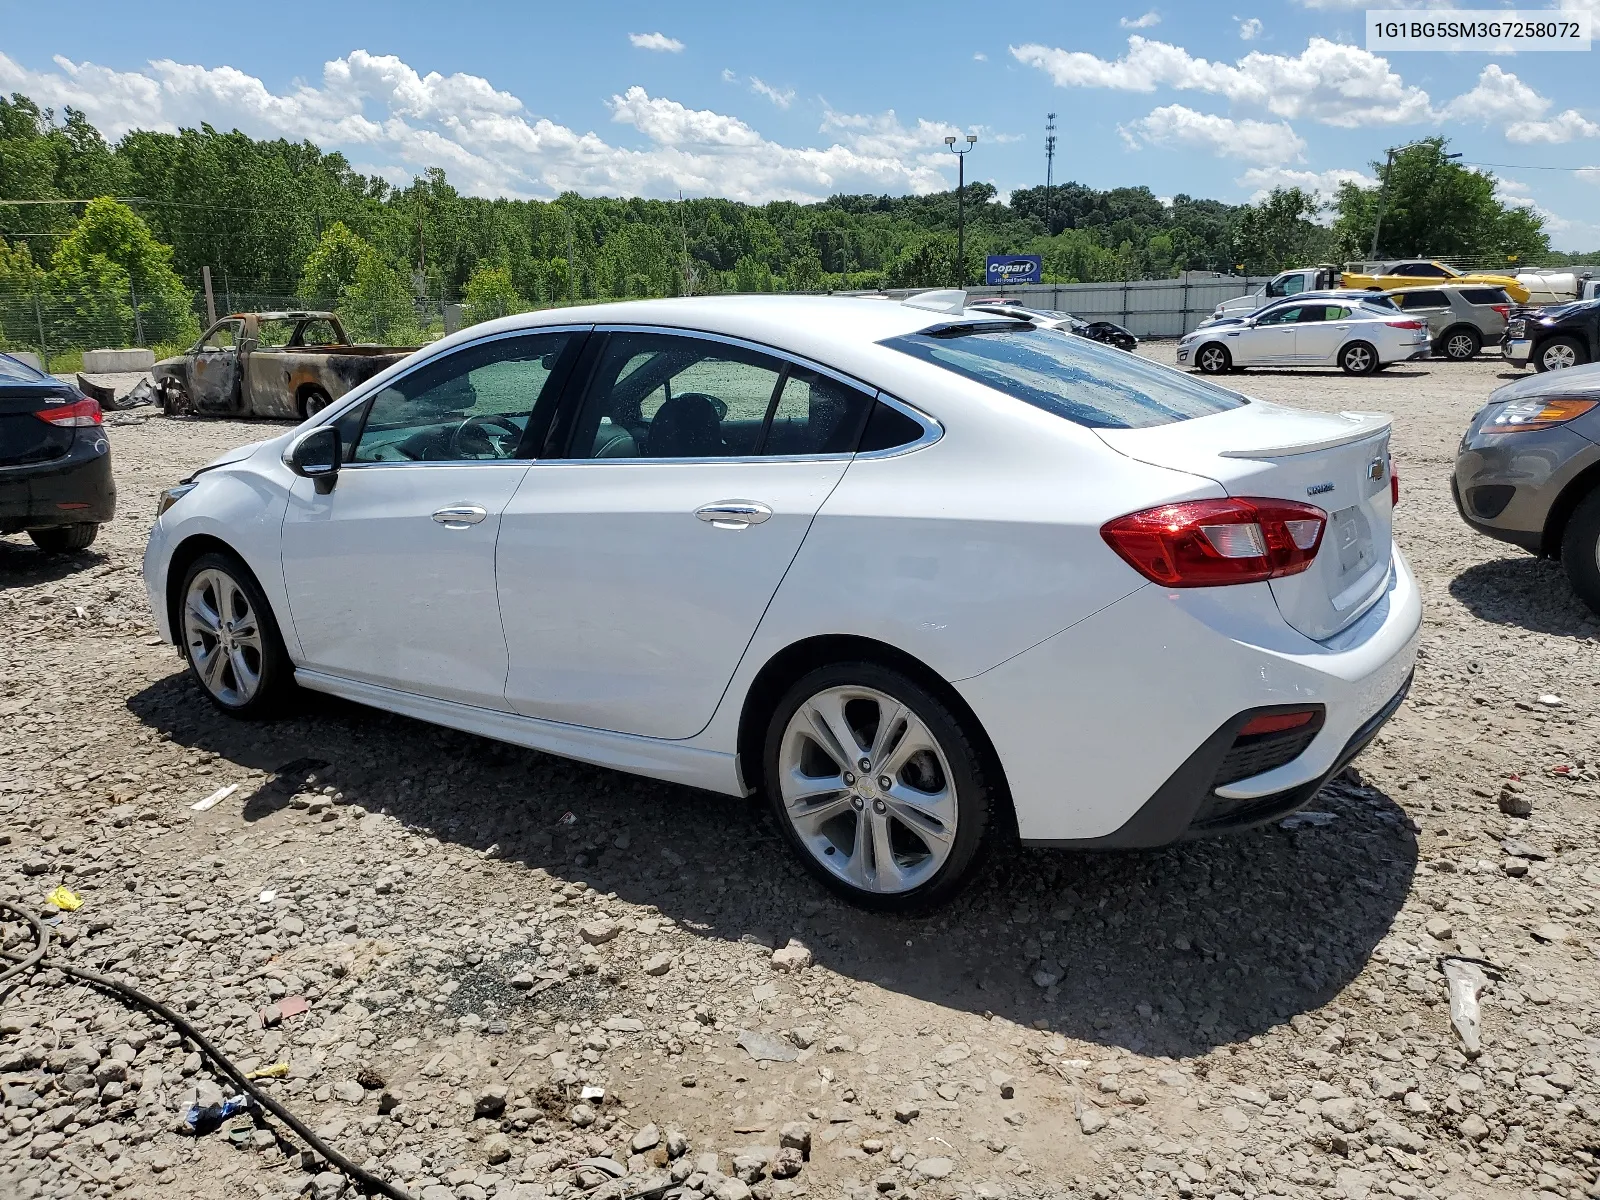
column 496, row 446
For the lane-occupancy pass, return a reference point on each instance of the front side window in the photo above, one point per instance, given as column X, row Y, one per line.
column 665, row 396
column 222, row 336
column 472, row 405
column 1294, row 284
column 1282, row 316
column 1081, row 381
column 1425, row 270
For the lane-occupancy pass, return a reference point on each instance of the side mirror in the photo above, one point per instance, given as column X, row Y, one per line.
column 316, row 455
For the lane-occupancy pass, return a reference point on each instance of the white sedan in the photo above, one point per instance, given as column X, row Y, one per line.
column 920, row 576
column 1355, row 336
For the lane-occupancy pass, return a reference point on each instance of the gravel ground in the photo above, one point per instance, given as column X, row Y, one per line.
column 489, row 972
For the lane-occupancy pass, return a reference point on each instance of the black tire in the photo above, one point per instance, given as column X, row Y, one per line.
column 1558, row 353
column 1580, row 550
column 174, row 401
column 1461, row 343
column 1213, row 359
column 270, row 660
column 313, row 401
column 64, row 539
column 1358, row 358
column 978, row 801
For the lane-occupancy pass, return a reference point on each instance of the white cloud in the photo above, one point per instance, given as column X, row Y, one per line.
column 1150, row 19
column 1250, row 29
column 1261, row 181
column 1500, row 98
column 396, row 122
column 1177, row 127
column 980, row 56
column 782, row 99
column 729, row 75
column 1327, row 82
column 659, row 42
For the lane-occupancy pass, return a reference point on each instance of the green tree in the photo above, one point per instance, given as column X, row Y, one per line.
column 109, row 262
column 1436, row 207
column 378, row 306
column 331, row 267
column 491, row 294
column 751, row 275
column 1281, row 231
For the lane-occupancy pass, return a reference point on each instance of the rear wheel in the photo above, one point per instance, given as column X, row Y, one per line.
column 1580, row 550
column 1461, row 344
column 1560, row 353
column 64, row 539
column 174, row 400
column 1213, row 358
column 878, row 787
column 313, row 401
column 1358, row 358
column 230, row 638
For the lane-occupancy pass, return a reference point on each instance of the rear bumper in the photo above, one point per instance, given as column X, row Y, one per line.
column 75, row 489
column 1112, row 733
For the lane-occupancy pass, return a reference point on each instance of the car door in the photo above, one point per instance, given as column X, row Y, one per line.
column 1319, row 332
column 214, row 368
column 1270, row 340
column 637, row 559
column 1431, row 307
column 391, row 574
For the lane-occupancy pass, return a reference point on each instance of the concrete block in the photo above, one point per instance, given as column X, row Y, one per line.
column 107, row 362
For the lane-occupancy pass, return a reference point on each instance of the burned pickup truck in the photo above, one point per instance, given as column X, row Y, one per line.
column 269, row 364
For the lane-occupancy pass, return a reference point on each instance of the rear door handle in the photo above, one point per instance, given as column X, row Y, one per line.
column 459, row 516
column 733, row 514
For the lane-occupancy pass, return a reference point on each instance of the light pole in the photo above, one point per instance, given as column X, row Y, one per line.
column 961, row 205
column 1383, row 188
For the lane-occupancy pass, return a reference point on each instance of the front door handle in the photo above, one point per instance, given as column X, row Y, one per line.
column 733, row 514
column 459, row 516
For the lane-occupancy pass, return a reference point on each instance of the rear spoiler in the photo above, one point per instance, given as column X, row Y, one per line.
column 1363, row 425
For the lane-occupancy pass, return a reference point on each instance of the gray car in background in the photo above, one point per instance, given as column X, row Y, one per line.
column 1462, row 319
column 1528, row 471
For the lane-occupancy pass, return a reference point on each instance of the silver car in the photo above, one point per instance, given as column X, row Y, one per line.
column 1461, row 319
column 1356, row 337
column 1528, row 471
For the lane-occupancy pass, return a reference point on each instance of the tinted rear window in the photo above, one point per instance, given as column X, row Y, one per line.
column 1083, row 381
column 1423, row 300
column 1485, row 296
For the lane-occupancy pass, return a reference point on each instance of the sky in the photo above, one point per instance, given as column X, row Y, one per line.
column 759, row 101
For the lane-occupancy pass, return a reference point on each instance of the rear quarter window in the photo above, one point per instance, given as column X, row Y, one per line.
column 1081, row 381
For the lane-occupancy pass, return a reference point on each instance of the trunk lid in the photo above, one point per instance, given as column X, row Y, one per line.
column 24, row 438
column 1338, row 462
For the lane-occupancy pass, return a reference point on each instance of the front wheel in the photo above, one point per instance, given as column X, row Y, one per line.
column 878, row 787
column 230, row 638
column 1560, row 353
column 312, row 402
column 1580, row 550
column 1213, row 359
column 1358, row 358
column 64, row 539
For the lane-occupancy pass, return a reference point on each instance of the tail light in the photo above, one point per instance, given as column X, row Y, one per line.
column 83, row 412
column 1278, row 722
column 1404, row 324
column 1208, row 543
column 1503, row 309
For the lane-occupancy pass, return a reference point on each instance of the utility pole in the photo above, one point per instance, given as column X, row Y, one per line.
column 961, row 198
column 1049, row 169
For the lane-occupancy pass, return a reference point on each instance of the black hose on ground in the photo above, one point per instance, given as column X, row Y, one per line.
column 35, row 959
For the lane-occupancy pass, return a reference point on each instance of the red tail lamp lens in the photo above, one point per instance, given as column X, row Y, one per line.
column 1278, row 722
column 1209, row 543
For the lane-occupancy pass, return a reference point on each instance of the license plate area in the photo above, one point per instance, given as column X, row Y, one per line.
column 1352, row 538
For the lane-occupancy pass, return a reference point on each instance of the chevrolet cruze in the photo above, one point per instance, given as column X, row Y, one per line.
column 923, row 577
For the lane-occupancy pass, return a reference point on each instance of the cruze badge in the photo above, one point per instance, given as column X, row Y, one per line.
column 1317, row 489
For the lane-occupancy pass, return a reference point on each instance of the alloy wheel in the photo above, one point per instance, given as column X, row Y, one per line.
column 1213, row 359
column 1460, row 346
column 1357, row 360
column 867, row 789
column 1558, row 357
column 223, row 636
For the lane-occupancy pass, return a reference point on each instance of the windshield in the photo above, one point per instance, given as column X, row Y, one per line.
column 1082, row 381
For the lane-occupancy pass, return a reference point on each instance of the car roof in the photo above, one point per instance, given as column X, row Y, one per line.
column 818, row 327
column 281, row 316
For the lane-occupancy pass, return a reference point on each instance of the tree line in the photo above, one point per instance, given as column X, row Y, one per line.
column 276, row 217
